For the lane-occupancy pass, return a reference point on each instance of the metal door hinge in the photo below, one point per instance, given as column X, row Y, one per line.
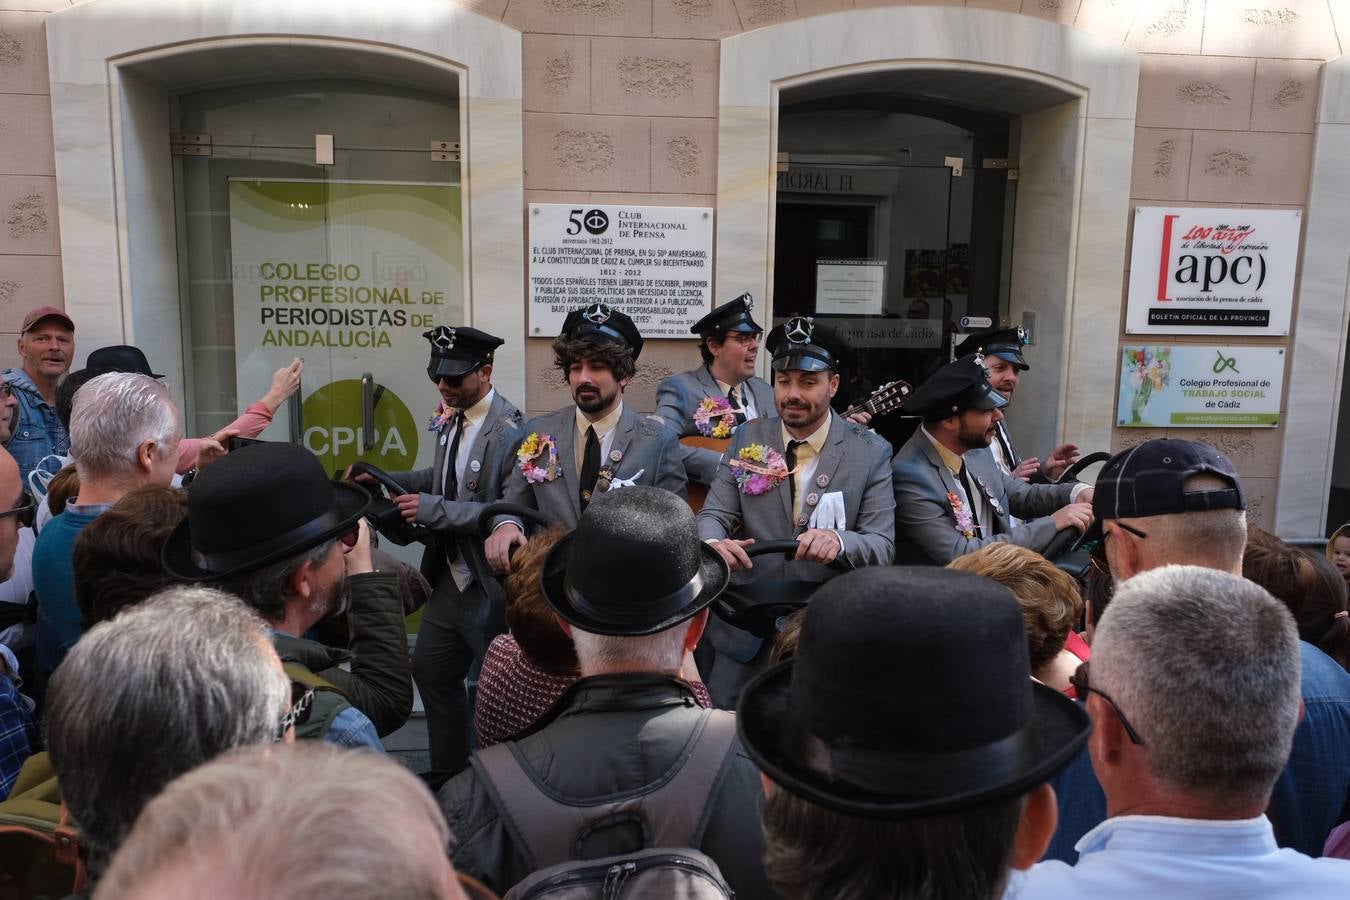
column 190, row 144
column 1007, row 165
column 956, row 164
column 445, row 151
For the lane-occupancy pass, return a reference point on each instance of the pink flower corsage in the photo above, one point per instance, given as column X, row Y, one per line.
column 715, row 417
column 442, row 415
column 759, row 469
column 538, row 455
column 964, row 523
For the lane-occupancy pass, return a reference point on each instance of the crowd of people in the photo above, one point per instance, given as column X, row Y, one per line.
column 955, row 672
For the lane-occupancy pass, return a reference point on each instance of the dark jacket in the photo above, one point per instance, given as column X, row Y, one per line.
column 609, row 735
column 379, row 682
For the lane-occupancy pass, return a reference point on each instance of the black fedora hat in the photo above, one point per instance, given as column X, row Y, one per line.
column 873, row 718
column 121, row 358
column 259, row 505
column 633, row 566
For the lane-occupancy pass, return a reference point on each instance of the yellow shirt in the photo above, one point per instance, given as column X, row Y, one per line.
column 604, row 433
column 808, row 455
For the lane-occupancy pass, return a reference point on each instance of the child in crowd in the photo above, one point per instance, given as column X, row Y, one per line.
column 1338, row 550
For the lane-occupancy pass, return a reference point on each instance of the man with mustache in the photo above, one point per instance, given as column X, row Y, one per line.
column 46, row 347
column 950, row 496
column 596, row 445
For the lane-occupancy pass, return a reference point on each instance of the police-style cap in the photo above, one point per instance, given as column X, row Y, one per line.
column 953, row 389
column 601, row 321
column 734, row 315
column 799, row 343
column 458, row 351
column 1005, row 343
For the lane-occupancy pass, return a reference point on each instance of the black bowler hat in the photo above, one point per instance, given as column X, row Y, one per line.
column 602, row 321
column 871, row 718
column 121, row 358
column 258, row 505
column 734, row 315
column 1005, row 343
column 1150, row 480
column 953, row 389
column 799, row 343
column 458, row 351
column 634, row 565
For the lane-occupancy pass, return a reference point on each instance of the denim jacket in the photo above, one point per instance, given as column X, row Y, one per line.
column 38, row 433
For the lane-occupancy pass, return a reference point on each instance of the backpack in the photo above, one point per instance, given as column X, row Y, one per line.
column 551, row 833
column 40, row 849
column 328, row 702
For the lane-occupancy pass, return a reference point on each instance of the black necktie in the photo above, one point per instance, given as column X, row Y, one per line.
column 1006, row 445
column 590, row 466
column 734, row 398
column 452, row 458
column 790, row 457
column 970, row 498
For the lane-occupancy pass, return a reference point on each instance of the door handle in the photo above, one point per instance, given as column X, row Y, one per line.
column 295, row 415
column 367, row 412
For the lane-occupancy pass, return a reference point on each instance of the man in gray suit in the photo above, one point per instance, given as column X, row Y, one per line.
column 477, row 427
column 950, row 495
column 598, row 444
column 729, row 345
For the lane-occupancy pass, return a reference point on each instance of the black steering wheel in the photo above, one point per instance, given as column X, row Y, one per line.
column 384, row 514
column 1066, row 539
column 528, row 514
column 761, row 606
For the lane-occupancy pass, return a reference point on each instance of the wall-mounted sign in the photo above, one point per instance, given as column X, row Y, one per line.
column 888, row 333
column 1212, row 271
column 652, row 262
column 1185, row 385
column 850, row 287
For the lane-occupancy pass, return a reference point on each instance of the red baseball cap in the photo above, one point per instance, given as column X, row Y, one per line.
column 45, row 312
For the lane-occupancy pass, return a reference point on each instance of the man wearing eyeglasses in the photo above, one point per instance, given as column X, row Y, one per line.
column 46, row 346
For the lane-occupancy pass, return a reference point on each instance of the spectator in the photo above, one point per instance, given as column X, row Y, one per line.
column 46, row 346
column 18, row 730
column 124, row 432
column 1051, row 604
column 633, row 584
column 266, row 524
column 1310, row 586
column 1338, row 550
column 117, row 558
column 1170, row 502
column 299, row 822
column 527, row 670
column 9, row 412
column 167, row 686
column 1194, row 699
column 891, row 773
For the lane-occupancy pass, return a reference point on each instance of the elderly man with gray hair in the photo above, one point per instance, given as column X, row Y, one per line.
column 1194, row 698
column 166, row 686
column 124, row 433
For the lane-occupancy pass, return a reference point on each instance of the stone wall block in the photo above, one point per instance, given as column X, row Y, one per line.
column 1162, row 164
column 613, row 17
column 1109, row 19
column 1167, row 26
column 654, row 77
column 806, row 8
column 695, row 18
column 1062, row 11
column 1195, row 92
column 557, row 73
column 493, row 9
column 684, row 156
column 1255, row 452
column 1285, row 97
column 1251, row 167
column 23, row 53
column 28, row 215
column 586, row 153
column 1285, row 29
column 758, row 13
column 26, row 135
column 27, row 282
column 999, row 5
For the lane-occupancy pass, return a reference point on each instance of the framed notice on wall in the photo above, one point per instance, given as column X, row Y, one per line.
column 1186, row 385
column 1212, row 271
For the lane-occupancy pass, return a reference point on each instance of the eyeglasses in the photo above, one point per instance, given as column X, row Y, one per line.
column 350, row 538
column 1080, row 682
column 24, row 512
column 1130, row 528
column 302, row 702
column 454, row 381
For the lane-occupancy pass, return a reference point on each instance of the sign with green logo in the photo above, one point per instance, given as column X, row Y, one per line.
column 1188, row 386
column 329, row 433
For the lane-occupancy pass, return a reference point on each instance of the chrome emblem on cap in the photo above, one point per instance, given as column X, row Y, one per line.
column 799, row 330
column 597, row 314
column 442, row 338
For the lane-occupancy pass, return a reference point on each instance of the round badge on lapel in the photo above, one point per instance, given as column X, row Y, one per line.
column 615, row 455
column 474, row 465
column 443, row 439
column 473, row 485
column 812, row 498
column 822, row 480
column 801, row 521
column 998, row 507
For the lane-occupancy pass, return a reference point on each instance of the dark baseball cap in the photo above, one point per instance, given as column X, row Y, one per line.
column 1150, row 480
column 45, row 312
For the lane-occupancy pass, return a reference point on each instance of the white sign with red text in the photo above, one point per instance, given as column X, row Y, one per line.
column 1212, row 271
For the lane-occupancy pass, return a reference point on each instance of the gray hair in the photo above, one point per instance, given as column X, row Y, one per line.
column 112, row 416
column 1206, row 666
column 305, row 821
column 267, row 589
column 660, row 652
column 142, row 698
column 1209, row 537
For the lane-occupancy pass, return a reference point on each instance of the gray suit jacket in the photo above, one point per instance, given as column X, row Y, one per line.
column 454, row 519
column 853, row 460
column 924, row 520
column 679, row 395
column 641, row 443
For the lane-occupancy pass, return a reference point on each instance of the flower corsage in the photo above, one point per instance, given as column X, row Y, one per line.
column 442, row 415
column 964, row 523
column 759, row 469
column 538, row 455
column 715, row 417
